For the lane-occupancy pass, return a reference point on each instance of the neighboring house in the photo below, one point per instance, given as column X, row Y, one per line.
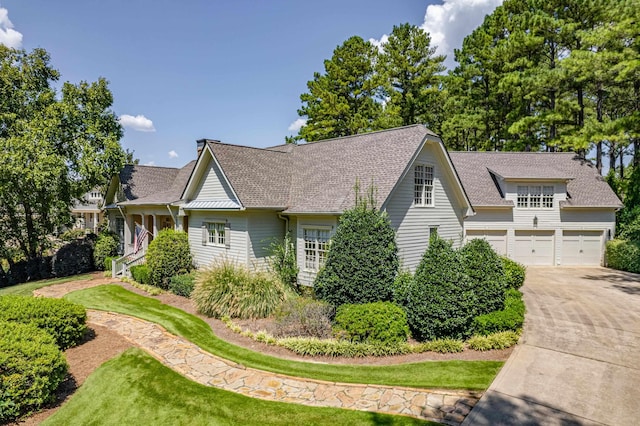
column 538, row 208
column 88, row 211
column 235, row 200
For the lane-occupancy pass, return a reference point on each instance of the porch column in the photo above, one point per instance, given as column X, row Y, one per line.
column 95, row 221
column 155, row 225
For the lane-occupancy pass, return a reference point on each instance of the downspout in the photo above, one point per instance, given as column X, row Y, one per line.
column 286, row 222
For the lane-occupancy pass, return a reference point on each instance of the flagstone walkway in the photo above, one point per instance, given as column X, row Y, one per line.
column 446, row 406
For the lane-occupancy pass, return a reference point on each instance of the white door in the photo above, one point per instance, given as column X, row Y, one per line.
column 533, row 247
column 497, row 239
column 581, row 247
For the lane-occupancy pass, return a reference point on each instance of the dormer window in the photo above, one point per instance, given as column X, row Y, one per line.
column 535, row 197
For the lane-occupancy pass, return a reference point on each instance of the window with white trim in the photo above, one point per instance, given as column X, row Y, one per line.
column 535, row 197
column 316, row 244
column 423, row 185
column 216, row 232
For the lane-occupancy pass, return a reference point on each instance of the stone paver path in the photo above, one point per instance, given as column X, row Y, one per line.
column 446, row 406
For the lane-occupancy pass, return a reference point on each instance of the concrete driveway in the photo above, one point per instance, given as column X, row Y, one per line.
column 578, row 362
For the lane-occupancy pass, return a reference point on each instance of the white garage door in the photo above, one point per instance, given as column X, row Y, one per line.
column 497, row 239
column 581, row 247
column 533, row 247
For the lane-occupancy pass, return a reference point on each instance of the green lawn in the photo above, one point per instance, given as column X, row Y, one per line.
column 134, row 388
column 27, row 288
column 476, row 375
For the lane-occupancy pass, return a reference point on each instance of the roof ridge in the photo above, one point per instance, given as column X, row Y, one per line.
column 155, row 167
column 512, row 152
column 363, row 134
column 215, row 142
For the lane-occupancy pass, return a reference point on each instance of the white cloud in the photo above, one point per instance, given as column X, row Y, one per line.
column 8, row 36
column 296, row 125
column 449, row 23
column 138, row 122
column 173, row 154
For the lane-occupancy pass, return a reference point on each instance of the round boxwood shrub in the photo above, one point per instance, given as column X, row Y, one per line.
column 510, row 318
column 439, row 301
column 182, row 285
column 106, row 247
column 227, row 289
column 486, row 276
column 362, row 261
column 168, row 255
column 31, row 369
column 64, row 320
column 514, row 273
column 140, row 274
column 378, row 322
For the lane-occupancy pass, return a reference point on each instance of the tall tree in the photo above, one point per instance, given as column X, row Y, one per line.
column 411, row 72
column 345, row 100
column 52, row 149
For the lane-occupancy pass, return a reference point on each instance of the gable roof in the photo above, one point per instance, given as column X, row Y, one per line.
column 319, row 177
column 152, row 184
column 479, row 171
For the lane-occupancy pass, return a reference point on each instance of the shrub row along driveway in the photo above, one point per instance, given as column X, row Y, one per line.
column 579, row 358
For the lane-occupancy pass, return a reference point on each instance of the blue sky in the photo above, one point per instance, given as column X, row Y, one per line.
column 226, row 70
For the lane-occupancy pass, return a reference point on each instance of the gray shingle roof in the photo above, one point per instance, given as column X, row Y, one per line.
column 586, row 188
column 154, row 185
column 319, row 176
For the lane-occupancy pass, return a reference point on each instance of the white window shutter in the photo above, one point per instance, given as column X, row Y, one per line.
column 227, row 234
column 205, row 234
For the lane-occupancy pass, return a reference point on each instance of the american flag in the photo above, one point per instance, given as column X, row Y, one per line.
column 138, row 238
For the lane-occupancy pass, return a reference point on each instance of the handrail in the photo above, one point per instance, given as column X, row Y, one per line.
column 121, row 265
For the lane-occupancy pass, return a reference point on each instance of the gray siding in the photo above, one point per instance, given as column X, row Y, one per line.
column 263, row 228
column 212, row 184
column 412, row 223
column 204, row 255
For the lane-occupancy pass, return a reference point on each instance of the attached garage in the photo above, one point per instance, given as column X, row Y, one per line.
column 534, row 247
column 581, row 247
column 497, row 239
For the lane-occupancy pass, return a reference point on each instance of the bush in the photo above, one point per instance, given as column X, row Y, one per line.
column 64, row 320
column 301, row 316
column 403, row 281
column 31, row 369
column 168, row 255
column 29, row 270
column 73, row 258
column 438, row 301
column 182, row 285
column 334, row 348
column 72, row 235
column 108, row 263
column 106, row 246
column 623, row 255
column 486, row 276
column 514, row 272
column 140, row 274
column 227, row 289
column 500, row 340
column 378, row 322
column 509, row 318
column 362, row 261
column 443, row 346
column 282, row 261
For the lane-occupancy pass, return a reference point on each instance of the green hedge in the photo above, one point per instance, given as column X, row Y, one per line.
column 31, row 369
column 182, row 285
column 64, row 320
column 378, row 322
column 623, row 255
column 141, row 274
column 509, row 318
column 485, row 274
column 168, row 255
column 73, row 258
column 514, row 272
